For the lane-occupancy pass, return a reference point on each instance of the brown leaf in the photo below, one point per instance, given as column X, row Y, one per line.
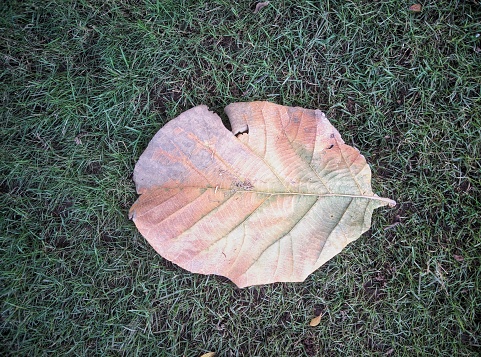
column 416, row 8
column 273, row 203
column 208, row 354
column 458, row 258
column 316, row 320
column 260, row 5
column 78, row 138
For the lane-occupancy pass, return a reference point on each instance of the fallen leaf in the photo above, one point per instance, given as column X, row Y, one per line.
column 78, row 138
column 208, row 354
column 392, row 225
column 415, row 8
column 316, row 320
column 271, row 201
column 260, row 5
column 458, row 258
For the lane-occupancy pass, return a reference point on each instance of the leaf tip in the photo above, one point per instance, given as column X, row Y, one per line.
column 392, row 203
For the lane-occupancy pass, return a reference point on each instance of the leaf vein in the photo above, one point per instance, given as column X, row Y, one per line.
column 290, row 230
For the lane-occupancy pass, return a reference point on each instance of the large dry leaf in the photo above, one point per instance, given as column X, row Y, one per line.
column 269, row 205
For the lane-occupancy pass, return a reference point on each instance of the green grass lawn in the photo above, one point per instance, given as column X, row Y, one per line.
column 84, row 86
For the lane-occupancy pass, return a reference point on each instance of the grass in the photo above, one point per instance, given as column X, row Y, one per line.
column 85, row 85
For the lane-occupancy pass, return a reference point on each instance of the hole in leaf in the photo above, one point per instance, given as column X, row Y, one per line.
column 246, row 131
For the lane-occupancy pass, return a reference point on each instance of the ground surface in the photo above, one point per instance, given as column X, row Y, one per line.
column 84, row 86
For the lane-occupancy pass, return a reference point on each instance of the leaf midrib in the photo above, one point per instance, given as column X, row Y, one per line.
column 371, row 197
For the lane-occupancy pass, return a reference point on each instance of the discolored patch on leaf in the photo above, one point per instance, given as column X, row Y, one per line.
column 270, row 205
